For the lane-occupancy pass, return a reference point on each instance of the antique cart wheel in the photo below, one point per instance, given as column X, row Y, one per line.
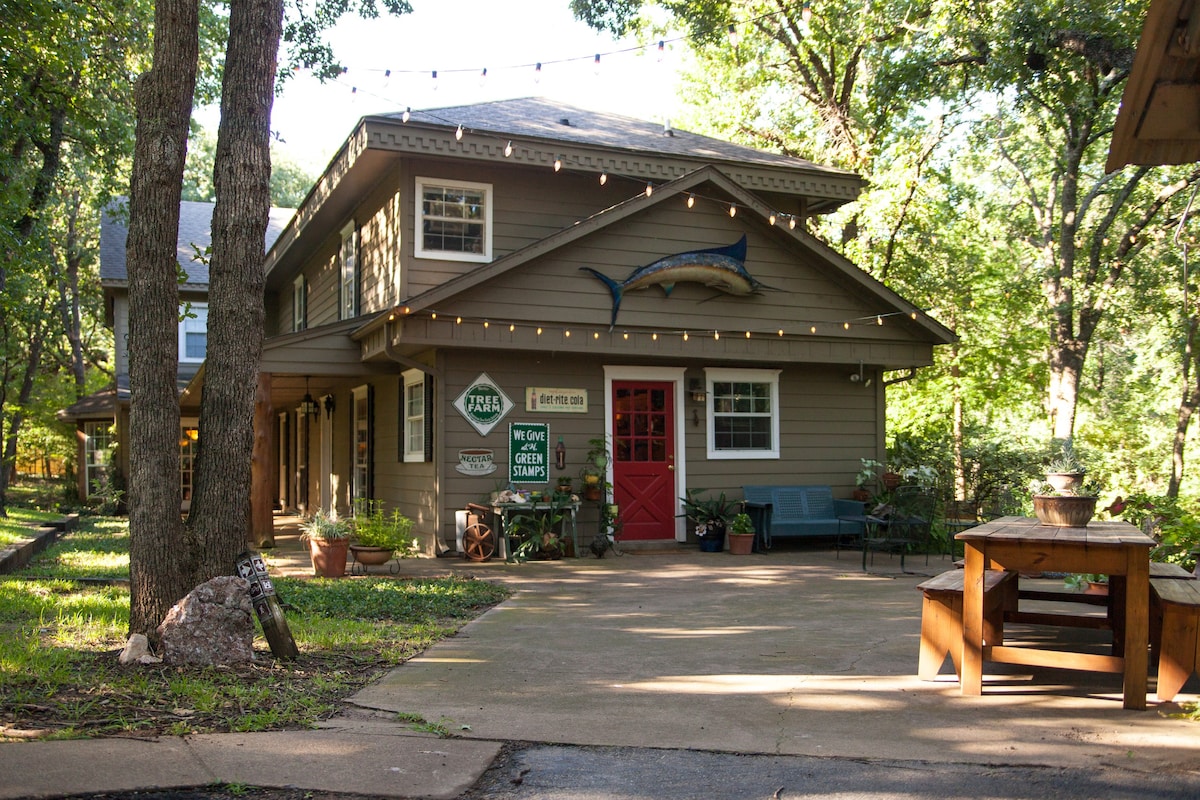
column 479, row 542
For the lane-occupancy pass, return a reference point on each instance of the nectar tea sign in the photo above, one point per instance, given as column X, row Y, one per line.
column 529, row 452
column 483, row 404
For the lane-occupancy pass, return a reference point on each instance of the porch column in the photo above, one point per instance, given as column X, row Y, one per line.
column 262, row 520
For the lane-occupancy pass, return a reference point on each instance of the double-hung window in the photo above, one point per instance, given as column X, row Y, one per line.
column 193, row 332
column 98, row 439
column 348, row 281
column 743, row 413
column 454, row 220
column 413, row 415
column 299, row 303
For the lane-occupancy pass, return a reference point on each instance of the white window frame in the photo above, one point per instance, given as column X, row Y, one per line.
column 419, row 249
column 189, row 436
column 299, row 303
column 348, row 268
column 770, row 377
column 360, row 444
column 98, row 438
column 196, row 321
column 413, row 411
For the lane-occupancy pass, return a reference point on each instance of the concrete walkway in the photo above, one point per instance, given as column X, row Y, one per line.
column 792, row 653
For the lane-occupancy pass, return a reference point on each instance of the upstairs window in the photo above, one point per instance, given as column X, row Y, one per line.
column 299, row 303
column 348, row 283
column 193, row 332
column 743, row 413
column 454, row 220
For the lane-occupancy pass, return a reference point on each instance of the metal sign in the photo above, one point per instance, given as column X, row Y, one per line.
column 529, row 452
column 556, row 401
column 483, row 404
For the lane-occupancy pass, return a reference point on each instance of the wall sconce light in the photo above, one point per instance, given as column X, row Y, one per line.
column 308, row 406
column 329, row 405
column 696, row 389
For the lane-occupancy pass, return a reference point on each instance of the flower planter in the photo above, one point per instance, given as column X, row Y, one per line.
column 329, row 556
column 591, row 492
column 712, row 543
column 741, row 544
column 1065, row 511
column 1065, row 482
column 371, row 556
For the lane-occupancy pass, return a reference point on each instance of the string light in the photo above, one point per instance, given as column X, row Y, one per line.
column 595, row 334
column 483, row 77
column 649, row 189
column 771, row 218
column 537, row 73
column 662, row 47
column 813, row 329
column 733, row 210
column 557, row 163
column 508, row 149
column 716, row 336
column 691, row 201
column 806, row 12
column 603, row 178
column 486, row 324
column 792, row 223
column 435, row 80
column 539, row 331
column 596, row 64
column 734, row 39
column 407, row 115
column 458, row 134
column 747, row 334
column 512, row 328
column 879, row 320
column 433, row 315
column 654, row 336
column 458, row 321
column 846, row 326
column 685, row 336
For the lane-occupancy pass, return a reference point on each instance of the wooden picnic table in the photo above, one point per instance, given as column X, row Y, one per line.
column 1022, row 544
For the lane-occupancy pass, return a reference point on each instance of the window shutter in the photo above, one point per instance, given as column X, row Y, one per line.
column 428, row 421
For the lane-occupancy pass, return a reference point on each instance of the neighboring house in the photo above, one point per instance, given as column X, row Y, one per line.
column 102, row 419
column 427, row 308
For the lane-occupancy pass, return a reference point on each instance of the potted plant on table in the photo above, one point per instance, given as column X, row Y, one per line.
column 536, row 537
column 328, row 537
column 1064, row 500
column 710, row 516
column 378, row 535
column 741, row 535
column 592, row 473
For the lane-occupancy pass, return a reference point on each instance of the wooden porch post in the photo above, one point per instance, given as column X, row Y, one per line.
column 262, row 520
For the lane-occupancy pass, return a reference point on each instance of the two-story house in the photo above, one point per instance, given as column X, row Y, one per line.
column 102, row 419
column 466, row 287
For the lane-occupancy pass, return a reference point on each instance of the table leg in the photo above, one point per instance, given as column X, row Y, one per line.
column 1137, row 626
column 972, row 611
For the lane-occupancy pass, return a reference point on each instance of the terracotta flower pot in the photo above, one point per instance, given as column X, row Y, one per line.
column 371, row 556
column 329, row 556
column 1065, row 511
column 741, row 544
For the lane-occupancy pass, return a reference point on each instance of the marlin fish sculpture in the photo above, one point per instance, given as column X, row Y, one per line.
column 722, row 268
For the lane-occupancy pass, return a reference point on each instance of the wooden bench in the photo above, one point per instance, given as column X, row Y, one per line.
column 1174, row 632
column 942, row 611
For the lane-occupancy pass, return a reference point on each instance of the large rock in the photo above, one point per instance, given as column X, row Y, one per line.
column 213, row 625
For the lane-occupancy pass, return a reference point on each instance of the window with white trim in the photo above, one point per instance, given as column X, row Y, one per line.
column 98, row 439
column 414, row 415
column 348, row 282
column 743, row 413
column 299, row 303
column 193, row 332
column 454, row 220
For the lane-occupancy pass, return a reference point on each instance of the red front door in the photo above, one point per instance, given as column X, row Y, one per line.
column 644, row 458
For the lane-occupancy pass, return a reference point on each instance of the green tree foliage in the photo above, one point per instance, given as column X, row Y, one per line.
column 290, row 182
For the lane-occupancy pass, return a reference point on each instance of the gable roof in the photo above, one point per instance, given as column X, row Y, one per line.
column 1159, row 118
column 845, row 270
column 547, row 120
column 195, row 234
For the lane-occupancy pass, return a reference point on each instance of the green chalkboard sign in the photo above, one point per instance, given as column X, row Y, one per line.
column 529, row 452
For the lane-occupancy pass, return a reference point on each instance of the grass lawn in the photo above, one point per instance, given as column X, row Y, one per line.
column 64, row 619
column 22, row 523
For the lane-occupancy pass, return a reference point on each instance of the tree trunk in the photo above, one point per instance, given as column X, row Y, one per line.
column 220, row 511
column 159, row 555
column 1066, row 369
column 1188, row 401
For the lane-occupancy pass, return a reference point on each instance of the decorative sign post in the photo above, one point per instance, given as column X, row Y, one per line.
column 252, row 569
column 483, row 404
column 529, row 452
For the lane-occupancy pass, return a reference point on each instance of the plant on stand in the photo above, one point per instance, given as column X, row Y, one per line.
column 592, row 474
column 1064, row 499
column 536, row 537
column 380, row 536
column 328, row 537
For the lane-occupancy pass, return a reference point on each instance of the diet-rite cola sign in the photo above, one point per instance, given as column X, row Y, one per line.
column 483, row 404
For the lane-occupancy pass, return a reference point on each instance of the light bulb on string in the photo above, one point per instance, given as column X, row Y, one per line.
column 771, row 218
column 539, row 331
column 595, row 335
column 625, row 336
column 747, row 334
column 387, row 76
column 716, row 336
column 483, row 78
column 879, row 320
column 596, row 65
column 486, row 324
column 806, row 12
column 691, row 201
column 537, row 73
column 734, row 39
column 792, row 223
column 458, row 133
column 732, row 209
column 685, row 336
column 508, row 149
column 511, row 327
column 433, row 315
column 649, row 188
column 603, row 178
column 458, row 321
column 557, row 163
column 845, row 326
column 654, row 336
column 813, row 329
column 407, row 115
column 662, row 48
column 566, row 334
column 435, row 80
column 353, row 94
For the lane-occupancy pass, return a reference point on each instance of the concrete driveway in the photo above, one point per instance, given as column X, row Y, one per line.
column 792, row 653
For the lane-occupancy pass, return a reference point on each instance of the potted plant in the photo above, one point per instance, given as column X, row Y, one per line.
column 1087, row 583
column 741, row 535
column 328, row 537
column 563, row 489
column 380, row 536
column 711, row 516
column 1063, row 499
column 867, row 481
column 536, row 537
column 594, row 469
